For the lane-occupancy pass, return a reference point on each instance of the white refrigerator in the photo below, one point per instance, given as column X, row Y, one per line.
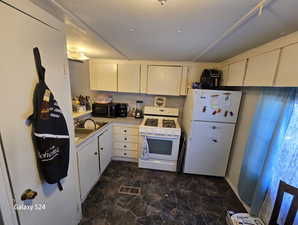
column 209, row 120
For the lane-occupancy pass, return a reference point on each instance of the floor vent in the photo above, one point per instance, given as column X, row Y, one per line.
column 129, row 190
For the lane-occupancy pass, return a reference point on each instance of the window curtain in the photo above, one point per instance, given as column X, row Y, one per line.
column 285, row 169
column 268, row 130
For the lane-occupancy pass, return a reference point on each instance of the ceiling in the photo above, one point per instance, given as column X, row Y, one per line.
column 178, row 31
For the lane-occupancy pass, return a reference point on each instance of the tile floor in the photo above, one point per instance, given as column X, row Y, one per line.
column 166, row 198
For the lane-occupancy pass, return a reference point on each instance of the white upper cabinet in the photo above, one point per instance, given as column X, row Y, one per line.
column 225, row 74
column 103, row 76
column 184, row 81
column 235, row 74
column 261, row 69
column 129, row 78
column 164, row 80
column 287, row 75
column 143, row 83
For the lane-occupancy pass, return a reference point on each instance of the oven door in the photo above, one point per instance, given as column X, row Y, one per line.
column 161, row 147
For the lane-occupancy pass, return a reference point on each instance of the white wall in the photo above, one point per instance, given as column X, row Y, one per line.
column 247, row 109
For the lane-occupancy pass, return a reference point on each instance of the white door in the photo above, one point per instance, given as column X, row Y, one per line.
column 7, row 213
column 105, row 149
column 208, row 148
column 164, row 80
column 129, row 78
column 88, row 163
column 19, row 35
column 103, row 76
column 217, row 106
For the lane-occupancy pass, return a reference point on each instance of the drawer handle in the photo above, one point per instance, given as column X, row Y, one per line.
column 101, row 149
column 95, row 153
column 125, row 131
column 125, row 153
column 125, row 146
column 125, row 139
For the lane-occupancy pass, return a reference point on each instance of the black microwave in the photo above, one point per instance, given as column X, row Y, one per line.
column 104, row 109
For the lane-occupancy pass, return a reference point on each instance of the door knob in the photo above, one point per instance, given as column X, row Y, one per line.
column 28, row 195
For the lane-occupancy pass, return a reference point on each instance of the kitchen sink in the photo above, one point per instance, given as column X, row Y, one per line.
column 82, row 133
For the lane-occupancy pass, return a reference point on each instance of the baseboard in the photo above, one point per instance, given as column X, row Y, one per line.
column 236, row 193
column 115, row 158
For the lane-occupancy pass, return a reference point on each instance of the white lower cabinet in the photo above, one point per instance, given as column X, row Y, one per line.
column 88, row 163
column 125, row 142
column 93, row 157
column 105, row 143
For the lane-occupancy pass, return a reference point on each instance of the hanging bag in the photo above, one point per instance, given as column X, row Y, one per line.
column 49, row 130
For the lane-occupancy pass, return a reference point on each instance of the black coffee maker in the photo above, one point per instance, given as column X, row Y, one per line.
column 122, row 109
column 210, row 79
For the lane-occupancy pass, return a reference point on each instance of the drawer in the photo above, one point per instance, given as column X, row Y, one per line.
column 123, row 153
column 126, row 146
column 125, row 130
column 126, row 138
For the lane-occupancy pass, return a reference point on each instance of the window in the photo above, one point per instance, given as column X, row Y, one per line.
column 286, row 169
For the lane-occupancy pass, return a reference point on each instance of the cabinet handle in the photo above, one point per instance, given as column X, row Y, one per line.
column 101, row 149
column 125, row 139
column 95, row 153
column 125, row 153
column 125, row 131
column 125, row 146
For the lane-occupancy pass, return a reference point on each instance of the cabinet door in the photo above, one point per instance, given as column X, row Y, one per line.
column 184, row 80
column 236, row 74
column 287, row 75
column 164, row 80
column 261, row 69
column 144, row 76
column 129, row 78
column 88, row 163
column 208, row 148
column 103, row 76
column 105, row 148
column 225, row 75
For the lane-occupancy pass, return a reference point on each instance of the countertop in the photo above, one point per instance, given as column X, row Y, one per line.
column 119, row 120
column 77, row 115
column 130, row 121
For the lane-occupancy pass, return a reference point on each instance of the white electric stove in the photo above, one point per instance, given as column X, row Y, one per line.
column 159, row 139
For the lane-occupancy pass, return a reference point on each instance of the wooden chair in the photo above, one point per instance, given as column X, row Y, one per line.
column 285, row 188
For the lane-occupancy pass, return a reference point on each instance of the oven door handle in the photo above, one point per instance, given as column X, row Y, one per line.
column 170, row 138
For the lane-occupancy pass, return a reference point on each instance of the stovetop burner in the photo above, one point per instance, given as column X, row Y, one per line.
column 151, row 122
column 168, row 123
